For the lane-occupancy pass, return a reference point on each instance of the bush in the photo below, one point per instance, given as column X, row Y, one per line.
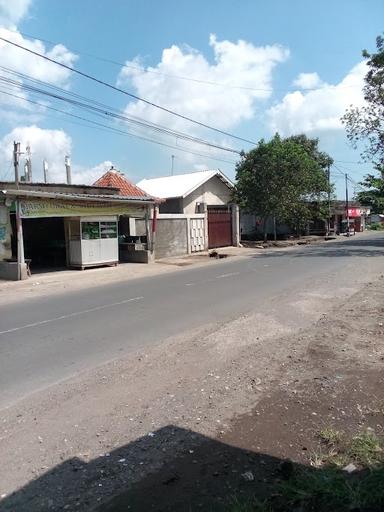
column 376, row 226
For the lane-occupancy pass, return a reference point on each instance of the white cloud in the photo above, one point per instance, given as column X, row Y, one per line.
column 12, row 11
column 308, row 81
column 88, row 176
column 15, row 110
column 32, row 65
column 52, row 145
column 241, row 64
column 320, row 109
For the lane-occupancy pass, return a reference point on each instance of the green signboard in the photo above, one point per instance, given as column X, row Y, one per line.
column 59, row 208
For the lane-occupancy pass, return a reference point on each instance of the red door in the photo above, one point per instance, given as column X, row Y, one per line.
column 219, row 228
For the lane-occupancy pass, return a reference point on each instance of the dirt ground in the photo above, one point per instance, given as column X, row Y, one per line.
column 176, row 427
column 337, row 381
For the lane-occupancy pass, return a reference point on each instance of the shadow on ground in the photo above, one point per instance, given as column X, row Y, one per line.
column 345, row 248
column 206, row 475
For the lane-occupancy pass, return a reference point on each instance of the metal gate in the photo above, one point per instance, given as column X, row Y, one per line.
column 219, row 228
column 197, row 234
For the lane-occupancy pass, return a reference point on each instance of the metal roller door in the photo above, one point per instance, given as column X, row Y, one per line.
column 219, row 228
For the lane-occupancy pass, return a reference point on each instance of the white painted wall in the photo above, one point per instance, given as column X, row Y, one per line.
column 213, row 192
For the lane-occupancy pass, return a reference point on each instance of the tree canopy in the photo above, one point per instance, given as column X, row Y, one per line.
column 366, row 125
column 282, row 178
column 373, row 196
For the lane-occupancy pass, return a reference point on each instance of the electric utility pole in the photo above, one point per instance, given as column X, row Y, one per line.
column 19, row 225
column 45, row 169
column 346, row 202
column 172, row 163
column 329, row 198
column 28, row 162
column 16, row 154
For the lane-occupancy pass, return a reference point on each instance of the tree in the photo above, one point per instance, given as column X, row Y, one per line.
column 281, row 179
column 374, row 195
column 366, row 125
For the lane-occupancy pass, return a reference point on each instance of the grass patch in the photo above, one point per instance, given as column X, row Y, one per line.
column 250, row 505
column 330, row 436
column 325, row 487
column 365, row 449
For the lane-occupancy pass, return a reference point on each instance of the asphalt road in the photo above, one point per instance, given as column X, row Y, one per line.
column 45, row 340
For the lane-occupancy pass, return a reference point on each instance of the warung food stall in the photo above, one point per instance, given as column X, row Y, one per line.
column 93, row 241
column 45, row 229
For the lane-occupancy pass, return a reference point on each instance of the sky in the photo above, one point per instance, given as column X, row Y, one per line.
column 247, row 68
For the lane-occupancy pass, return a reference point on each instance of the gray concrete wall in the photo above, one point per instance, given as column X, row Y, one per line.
column 171, row 238
column 178, row 234
column 9, row 270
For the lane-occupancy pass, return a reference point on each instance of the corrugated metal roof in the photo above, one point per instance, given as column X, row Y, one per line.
column 116, row 179
column 180, row 185
column 112, row 198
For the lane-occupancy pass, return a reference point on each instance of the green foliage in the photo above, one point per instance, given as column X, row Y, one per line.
column 376, row 226
column 366, row 124
column 374, row 195
column 328, row 488
column 283, row 178
column 330, row 436
column 365, row 449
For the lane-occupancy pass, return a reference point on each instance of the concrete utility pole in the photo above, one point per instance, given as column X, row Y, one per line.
column 19, row 225
column 68, row 169
column 45, row 169
column 329, row 199
column 16, row 154
column 172, row 163
column 28, row 162
column 347, row 202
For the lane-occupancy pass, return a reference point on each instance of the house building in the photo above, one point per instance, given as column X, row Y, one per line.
column 252, row 226
column 376, row 218
column 49, row 225
column 199, row 204
column 357, row 214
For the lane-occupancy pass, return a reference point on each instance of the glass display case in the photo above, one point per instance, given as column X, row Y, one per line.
column 93, row 241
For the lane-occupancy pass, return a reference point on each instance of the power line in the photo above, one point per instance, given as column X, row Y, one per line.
column 7, row 172
column 177, row 77
column 94, row 102
column 103, row 111
column 118, row 89
column 117, row 130
column 348, row 178
column 347, row 162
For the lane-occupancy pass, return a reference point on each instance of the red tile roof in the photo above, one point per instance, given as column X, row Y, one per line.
column 114, row 178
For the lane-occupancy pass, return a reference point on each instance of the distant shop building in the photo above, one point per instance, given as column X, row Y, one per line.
column 53, row 226
column 357, row 215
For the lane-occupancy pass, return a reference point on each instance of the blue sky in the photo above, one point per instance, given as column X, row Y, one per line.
column 302, row 60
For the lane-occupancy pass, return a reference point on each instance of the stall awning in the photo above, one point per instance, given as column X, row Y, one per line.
column 58, row 204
